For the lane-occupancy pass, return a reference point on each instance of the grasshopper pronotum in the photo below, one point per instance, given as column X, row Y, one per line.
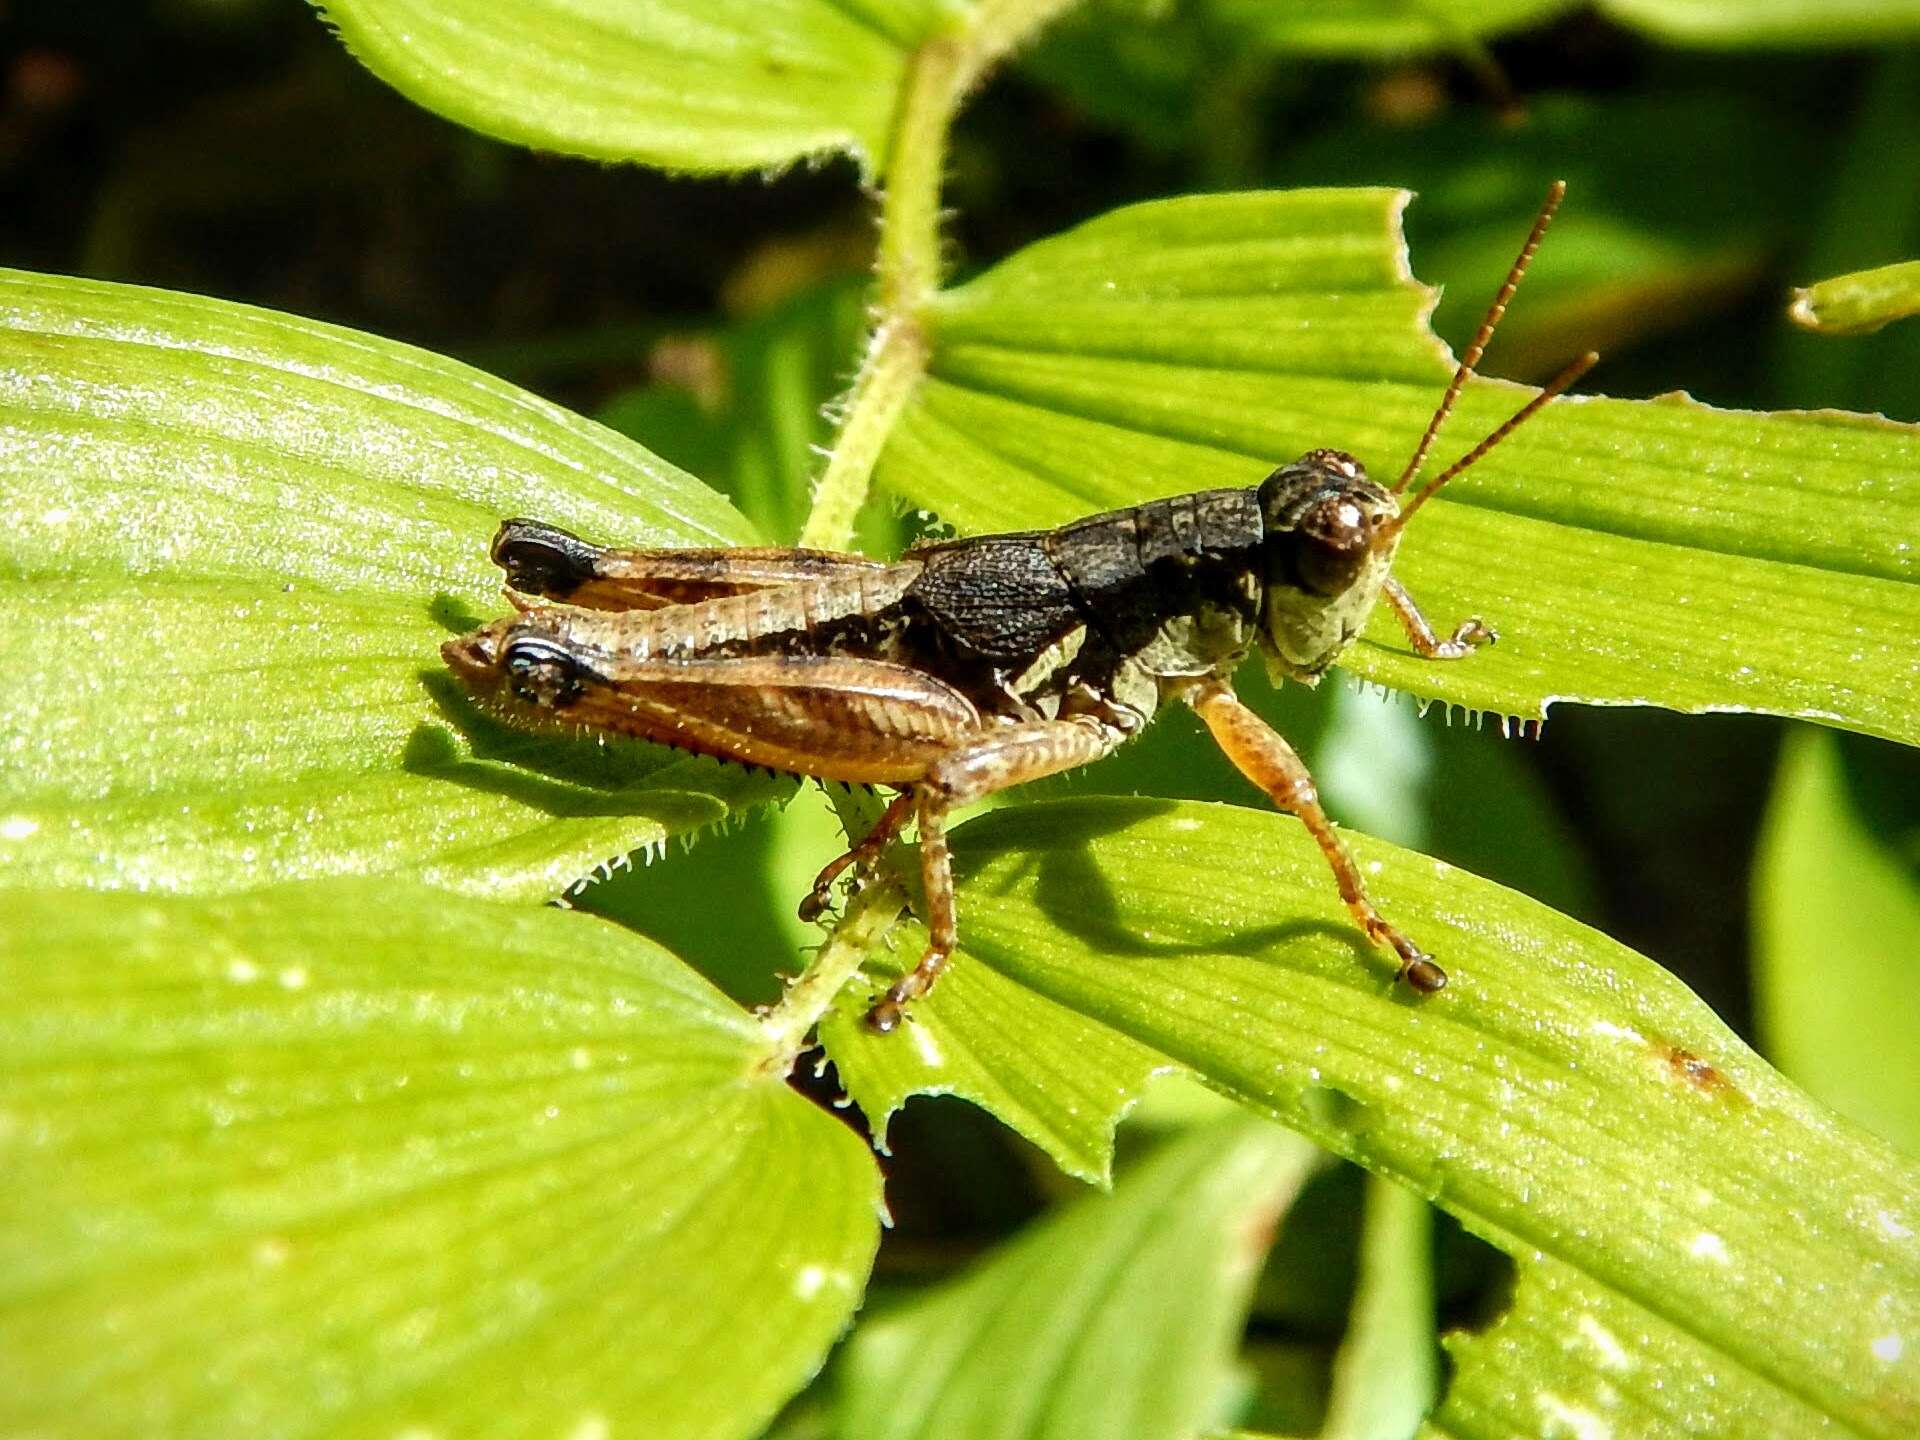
column 969, row 666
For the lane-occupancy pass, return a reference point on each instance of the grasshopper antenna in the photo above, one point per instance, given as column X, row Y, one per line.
column 1426, row 492
column 1555, row 193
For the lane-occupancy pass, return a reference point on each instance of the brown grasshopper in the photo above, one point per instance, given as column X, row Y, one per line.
column 972, row 665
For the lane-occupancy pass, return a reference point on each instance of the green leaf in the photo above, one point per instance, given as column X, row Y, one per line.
column 1734, row 23
column 1048, row 1073
column 359, row 1158
column 1118, row 1316
column 1836, row 895
column 1566, row 1099
column 1379, row 27
column 1626, row 551
column 1387, row 1371
column 1859, row 303
column 699, row 85
column 243, row 537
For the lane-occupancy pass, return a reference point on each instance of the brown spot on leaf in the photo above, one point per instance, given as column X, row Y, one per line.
column 1698, row 1075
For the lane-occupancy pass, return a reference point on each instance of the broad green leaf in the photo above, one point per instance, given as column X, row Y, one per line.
column 698, row 85
column 1861, row 302
column 231, row 543
column 1836, row 913
column 1734, row 23
column 1702, row 1249
column 1380, row 27
column 1048, row 1073
column 1118, row 1316
column 1063, row 1083
column 362, row 1159
column 1626, row 551
column 1386, row 1373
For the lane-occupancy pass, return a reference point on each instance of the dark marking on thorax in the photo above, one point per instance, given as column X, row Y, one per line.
column 1135, row 570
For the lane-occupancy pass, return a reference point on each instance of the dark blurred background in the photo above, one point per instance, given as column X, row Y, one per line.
column 232, row 148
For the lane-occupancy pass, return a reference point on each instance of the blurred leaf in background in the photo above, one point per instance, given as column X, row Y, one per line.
column 1118, row 1316
column 1836, row 896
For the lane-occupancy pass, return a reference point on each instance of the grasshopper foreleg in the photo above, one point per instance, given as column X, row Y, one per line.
column 994, row 761
column 1265, row 758
column 1469, row 635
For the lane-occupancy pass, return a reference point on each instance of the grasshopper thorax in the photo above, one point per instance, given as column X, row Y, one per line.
column 1327, row 545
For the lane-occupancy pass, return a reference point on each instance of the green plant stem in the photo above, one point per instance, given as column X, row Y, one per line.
column 788, row 1025
column 896, row 358
column 907, row 271
column 907, row 274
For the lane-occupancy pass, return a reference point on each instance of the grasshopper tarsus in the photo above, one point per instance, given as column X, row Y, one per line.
column 1423, row 975
column 887, row 1012
column 969, row 666
column 1468, row 636
column 860, row 856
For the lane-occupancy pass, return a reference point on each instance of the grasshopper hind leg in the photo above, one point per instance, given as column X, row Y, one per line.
column 936, row 879
column 995, row 760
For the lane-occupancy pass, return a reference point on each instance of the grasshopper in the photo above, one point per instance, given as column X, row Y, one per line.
column 969, row 666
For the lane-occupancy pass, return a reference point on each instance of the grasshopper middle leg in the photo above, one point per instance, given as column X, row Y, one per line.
column 1266, row 759
column 864, row 853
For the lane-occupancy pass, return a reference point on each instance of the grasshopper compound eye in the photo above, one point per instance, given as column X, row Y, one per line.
column 542, row 672
column 1331, row 546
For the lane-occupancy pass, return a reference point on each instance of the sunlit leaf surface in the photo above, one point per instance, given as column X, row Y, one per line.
column 684, row 84
column 1119, row 1316
column 1566, row 1099
column 360, row 1158
column 1054, row 1076
column 1655, row 552
column 231, row 543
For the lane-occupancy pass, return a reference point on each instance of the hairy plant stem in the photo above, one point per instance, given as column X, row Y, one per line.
column 788, row 1026
column 907, row 271
column 907, row 275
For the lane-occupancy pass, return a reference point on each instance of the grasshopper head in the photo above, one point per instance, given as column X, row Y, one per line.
column 1328, row 544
